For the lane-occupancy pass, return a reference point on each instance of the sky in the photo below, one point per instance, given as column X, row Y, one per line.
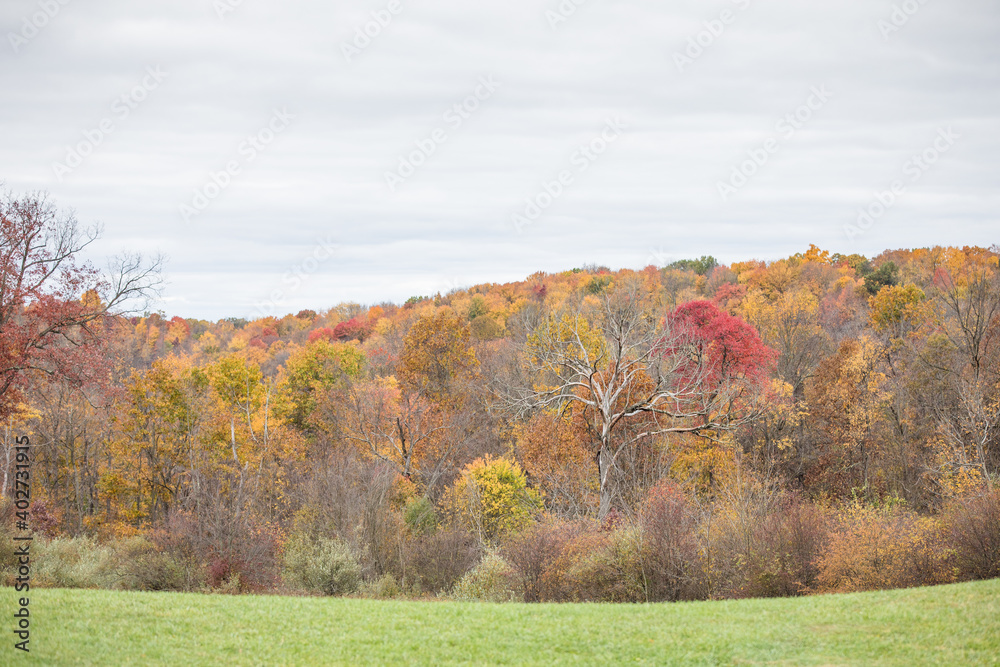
column 300, row 154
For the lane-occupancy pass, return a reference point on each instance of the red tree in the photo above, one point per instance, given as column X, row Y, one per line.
column 52, row 305
column 353, row 329
column 721, row 347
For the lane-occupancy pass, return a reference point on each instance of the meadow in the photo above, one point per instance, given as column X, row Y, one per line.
column 949, row 625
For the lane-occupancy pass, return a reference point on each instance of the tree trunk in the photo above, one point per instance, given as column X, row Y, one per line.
column 604, row 465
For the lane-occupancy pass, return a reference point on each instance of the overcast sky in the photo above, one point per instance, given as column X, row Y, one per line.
column 615, row 132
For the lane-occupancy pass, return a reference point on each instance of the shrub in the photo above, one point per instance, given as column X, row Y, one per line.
column 382, row 588
column 74, row 563
column 879, row 548
column 382, row 528
column 669, row 521
column 325, row 566
column 601, row 566
column 491, row 580
column 435, row 562
column 225, row 575
column 792, row 540
column 158, row 571
column 973, row 531
column 139, row 564
column 533, row 552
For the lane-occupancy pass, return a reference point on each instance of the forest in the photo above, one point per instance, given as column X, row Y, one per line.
column 822, row 422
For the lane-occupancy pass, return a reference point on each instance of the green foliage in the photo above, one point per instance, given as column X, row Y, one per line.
column 420, row 516
column 74, row 563
column 885, row 275
column 132, row 563
column 862, row 267
column 491, row 580
column 597, row 285
column 477, row 308
column 312, row 370
column 326, row 566
column 702, row 266
column 382, row 588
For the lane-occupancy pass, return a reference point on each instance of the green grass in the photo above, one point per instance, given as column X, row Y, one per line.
column 950, row 625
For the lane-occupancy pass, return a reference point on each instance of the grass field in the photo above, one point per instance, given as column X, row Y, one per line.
column 948, row 625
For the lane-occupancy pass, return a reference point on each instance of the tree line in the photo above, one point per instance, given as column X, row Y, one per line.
column 819, row 422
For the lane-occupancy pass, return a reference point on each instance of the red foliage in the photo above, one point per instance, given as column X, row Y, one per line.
column 726, row 347
column 729, row 295
column 353, row 329
column 324, row 333
column 942, row 279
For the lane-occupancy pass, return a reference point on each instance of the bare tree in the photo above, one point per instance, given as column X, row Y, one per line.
column 638, row 375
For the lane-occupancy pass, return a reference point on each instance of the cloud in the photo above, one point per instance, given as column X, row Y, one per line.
column 654, row 188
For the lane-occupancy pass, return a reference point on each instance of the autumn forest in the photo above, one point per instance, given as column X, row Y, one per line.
column 821, row 422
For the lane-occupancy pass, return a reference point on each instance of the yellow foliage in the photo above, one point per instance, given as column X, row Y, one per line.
column 492, row 497
column 701, row 465
column 877, row 548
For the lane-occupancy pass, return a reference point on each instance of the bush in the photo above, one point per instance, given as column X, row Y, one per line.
column 792, row 540
column 533, row 553
column 435, row 562
column 491, row 580
column 325, row 566
column 880, row 548
column 131, row 563
column 973, row 531
column 669, row 521
column 600, row 566
column 382, row 588
column 74, row 563
column 140, row 564
column 158, row 571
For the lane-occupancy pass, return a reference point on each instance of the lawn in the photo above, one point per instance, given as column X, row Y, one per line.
column 958, row 624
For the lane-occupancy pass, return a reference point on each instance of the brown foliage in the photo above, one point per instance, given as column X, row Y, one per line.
column 973, row 528
column 876, row 549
